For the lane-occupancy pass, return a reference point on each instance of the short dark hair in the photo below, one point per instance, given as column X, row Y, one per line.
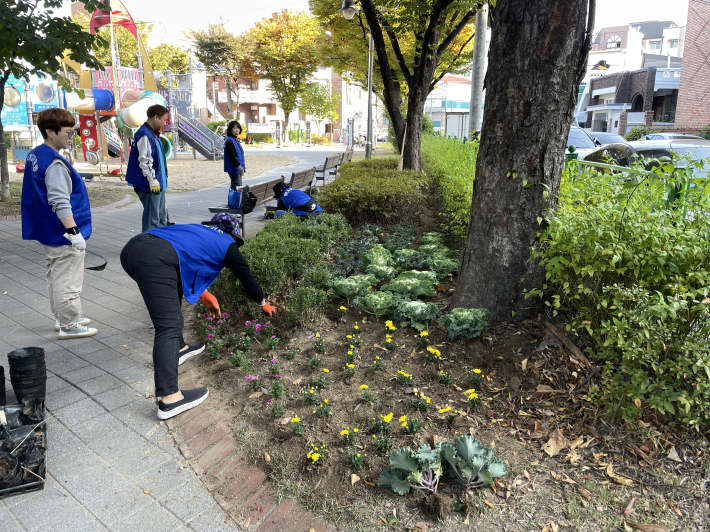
column 54, row 119
column 231, row 125
column 156, row 110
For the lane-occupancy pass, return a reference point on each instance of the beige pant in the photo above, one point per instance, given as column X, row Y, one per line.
column 65, row 276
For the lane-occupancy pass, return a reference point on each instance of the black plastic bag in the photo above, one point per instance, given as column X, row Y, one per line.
column 10, row 471
column 249, row 200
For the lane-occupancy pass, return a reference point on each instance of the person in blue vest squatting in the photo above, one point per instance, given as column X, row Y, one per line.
column 295, row 201
column 234, row 155
column 169, row 262
column 56, row 213
column 147, row 168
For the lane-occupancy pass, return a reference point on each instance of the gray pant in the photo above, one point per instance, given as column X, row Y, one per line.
column 65, row 277
column 154, row 212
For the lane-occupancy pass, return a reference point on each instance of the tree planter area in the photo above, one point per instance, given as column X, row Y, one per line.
column 419, row 376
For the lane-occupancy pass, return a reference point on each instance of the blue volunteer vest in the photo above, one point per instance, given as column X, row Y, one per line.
column 200, row 250
column 292, row 197
column 134, row 174
column 39, row 221
column 228, row 166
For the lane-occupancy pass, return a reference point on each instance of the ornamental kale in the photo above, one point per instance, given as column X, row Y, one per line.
column 415, row 313
column 381, row 272
column 405, row 259
column 470, row 463
column 379, row 303
column 377, row 255
column 432, row 238
column 442, row 266
column 372, row 230
column 413, row 284
column 354, row 286
column 403, row 230
column 469, row 323
column 396, row 242
column 407, row 470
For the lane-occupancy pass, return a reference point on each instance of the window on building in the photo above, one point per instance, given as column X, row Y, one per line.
column 674, row 43
column 655, row 45
column 613, row 42
column 609, row 100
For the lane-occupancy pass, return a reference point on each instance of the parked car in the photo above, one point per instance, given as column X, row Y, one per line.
column 669, row 136
column 383, row 137
column 619, row 154
column 581, row 140
column 608, row 138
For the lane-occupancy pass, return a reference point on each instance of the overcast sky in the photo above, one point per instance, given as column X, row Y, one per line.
column 173, row 17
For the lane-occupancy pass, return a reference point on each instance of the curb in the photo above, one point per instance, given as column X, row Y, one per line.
column 241, row 489
column 111, row 206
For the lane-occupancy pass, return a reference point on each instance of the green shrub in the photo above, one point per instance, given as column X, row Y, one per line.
column 705, row 132
column 374, row 190
column 452, row 166
column 217, row 126
column 631, row 271
column 317, row 278
column 266, row 138
column 306, row 303
column 637, row 132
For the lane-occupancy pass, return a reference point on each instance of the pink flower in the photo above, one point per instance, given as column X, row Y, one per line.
column 247, row 323
column 269, row 401
column 219, row 322
column 209, row 327
column 210, row 336
column 273, row 361
column 278, row 377
column 267, row 325
column 225, row 315
column 274, row 336
column 258, row 327
column 210, row 319
column 205, row 315
column 240, row 312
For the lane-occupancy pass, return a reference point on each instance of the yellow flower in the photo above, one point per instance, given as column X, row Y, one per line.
column 364, row 386
column 374, row 436
column 390, row 325
column 326, row 370
column 315, row 457
column 317, row 335
column 344, row 432
column 295, row 419
column 389, row 340
column 309, row 455
column 477, row 371
column 428, row 400
column 351, row 347
column 358, row 455
column 424, row 333
column 354, row 429
column 350, row 352
column 350, row 365
column 444, row 410
column 472, row 390
column 314, row 411
column 403, row 418
column 325, row 401
column 343, row 308
column 349, row 336
column 388, row 417
column 356, row 327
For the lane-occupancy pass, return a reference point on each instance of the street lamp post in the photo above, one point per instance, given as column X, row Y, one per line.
column 348, row 10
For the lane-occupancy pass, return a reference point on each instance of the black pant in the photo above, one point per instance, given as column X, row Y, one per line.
column 235, row 179
column 153, row 264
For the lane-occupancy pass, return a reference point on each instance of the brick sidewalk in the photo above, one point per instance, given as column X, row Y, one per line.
column 111, row 464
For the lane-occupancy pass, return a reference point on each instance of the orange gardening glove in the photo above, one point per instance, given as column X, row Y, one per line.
column 268, row 309
column 210, row 302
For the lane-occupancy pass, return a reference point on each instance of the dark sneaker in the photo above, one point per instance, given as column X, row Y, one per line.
column 190, row 399
column 191, row 351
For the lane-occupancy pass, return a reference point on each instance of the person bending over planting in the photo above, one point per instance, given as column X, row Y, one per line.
column 295, row 201
column 169, row 262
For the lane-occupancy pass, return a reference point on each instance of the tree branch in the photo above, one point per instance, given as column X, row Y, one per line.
column 582, row 65
column 463, row 47
column 397, row 52
column 451, row 36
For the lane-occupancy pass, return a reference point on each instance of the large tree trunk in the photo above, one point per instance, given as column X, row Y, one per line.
column 537, row 47
column 4, row 174
column 230, row 102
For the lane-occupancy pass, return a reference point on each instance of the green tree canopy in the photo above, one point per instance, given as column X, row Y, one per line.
column 32, row 41
column 317, row 101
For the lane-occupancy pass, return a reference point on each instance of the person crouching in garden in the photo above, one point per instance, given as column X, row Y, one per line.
column 295, row 201
column 169, row 262
column 147, row 168
column 234, row 155
column 56, row 213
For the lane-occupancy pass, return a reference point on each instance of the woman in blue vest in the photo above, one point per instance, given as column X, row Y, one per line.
column 295, row 201
column 56, row 213
column 147, row 168
column 234, row 155
column 169, row 262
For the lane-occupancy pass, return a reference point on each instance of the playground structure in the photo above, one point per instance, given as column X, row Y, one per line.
column 118, row 94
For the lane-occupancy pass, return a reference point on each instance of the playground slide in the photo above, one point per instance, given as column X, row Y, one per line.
column 113, row 142
column 201, row 138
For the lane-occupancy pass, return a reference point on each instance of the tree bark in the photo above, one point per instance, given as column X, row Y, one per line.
column 4, row 174
column 531, row 90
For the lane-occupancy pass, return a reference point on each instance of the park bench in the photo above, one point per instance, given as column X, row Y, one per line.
column 263, row 192
column 302, row 179
column 330, row 167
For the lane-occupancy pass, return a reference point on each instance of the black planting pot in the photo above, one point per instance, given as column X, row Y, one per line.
column 28, row 373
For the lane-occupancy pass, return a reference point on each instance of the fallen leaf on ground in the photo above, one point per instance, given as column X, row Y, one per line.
column 673, row 455
column 353, row 479
column 648, row 528
column 585, row 493
column 317, row 484
column 246, row 523
column 673, row 507
column 256, row 394
column 556, row 443
column 465, row 521
column 147, row 491
column 630, row 508
column 618, row 478
column 524, row 364
column 637, row 402
column 422, row 525
column 544, row 389
column 298, row 380
column 267, row 458
column 576, row 443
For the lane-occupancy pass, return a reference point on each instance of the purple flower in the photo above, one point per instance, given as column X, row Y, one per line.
column 205, row 315
column 258, row 327
column 240, row 312
column 278, row 376
column 210, row 319
column 210, row 336
column 266, row 325
column 219, row 322
column 269, row 401
column 274, row 361
column 225, row 315
column 247, row 323
column 209, row 327
column 252, row 378
column 273, row 336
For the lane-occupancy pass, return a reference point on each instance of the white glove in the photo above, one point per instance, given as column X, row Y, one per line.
column 154, row 185
column 77, row 241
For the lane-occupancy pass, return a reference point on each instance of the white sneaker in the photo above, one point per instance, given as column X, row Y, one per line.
column 78, row 331
column 82, row 321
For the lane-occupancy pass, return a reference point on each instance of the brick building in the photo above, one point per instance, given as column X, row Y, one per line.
column 693, row 111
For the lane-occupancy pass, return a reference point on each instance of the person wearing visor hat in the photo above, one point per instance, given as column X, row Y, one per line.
column 176, row 260
column 295, row 201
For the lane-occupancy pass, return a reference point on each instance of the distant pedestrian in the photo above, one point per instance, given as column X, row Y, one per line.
column 234, row 155
column 148, row 170
column 56, row 213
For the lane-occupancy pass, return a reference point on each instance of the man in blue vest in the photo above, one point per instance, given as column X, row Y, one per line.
column 147, row 168
column 295, row 201
column 169, row 262
column 56, row 213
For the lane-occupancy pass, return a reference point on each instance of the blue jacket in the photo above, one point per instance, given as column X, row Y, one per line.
column 39, row 221
column 292, row 197
column 229, row 167
column 134, row 173
column 200, row 250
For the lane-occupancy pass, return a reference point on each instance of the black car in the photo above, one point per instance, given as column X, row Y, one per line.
column 580, row 140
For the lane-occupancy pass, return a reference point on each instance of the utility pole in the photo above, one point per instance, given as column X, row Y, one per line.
column 479, row 71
